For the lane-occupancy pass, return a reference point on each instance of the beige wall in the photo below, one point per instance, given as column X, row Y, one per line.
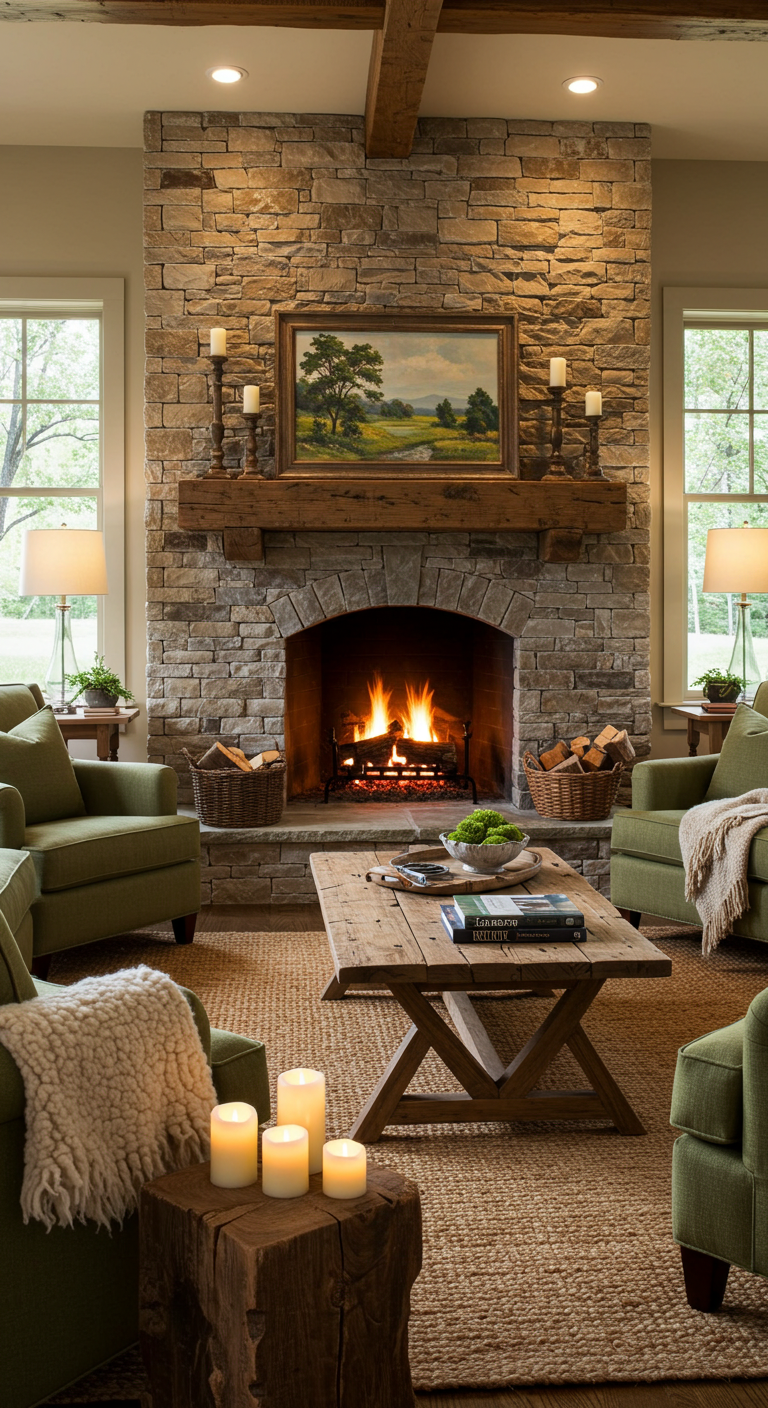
column 76, row 212
column 710, row 229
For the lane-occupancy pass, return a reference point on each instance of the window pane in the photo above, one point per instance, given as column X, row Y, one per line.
column 10, row 357
column 717, row 453
column 712, row 615
column 62, row 446
column 26, row 623
column 761, row 369
column 716, row 369
column 761, row 454
column 63, row 358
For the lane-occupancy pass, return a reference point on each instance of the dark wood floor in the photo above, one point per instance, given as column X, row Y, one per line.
column 744, row 1393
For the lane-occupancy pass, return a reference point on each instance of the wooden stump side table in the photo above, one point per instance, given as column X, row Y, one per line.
column 106, row 732
column 247, row 1301
column 715, row 726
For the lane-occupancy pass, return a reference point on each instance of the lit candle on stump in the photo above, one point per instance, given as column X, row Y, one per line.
column 285, row 1161
column 234, row 1145
column 301, row 1100
column 345, row 1169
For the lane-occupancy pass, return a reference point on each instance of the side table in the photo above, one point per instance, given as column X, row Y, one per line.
column 715, row 726
column 105, row 731
column 277, row 1302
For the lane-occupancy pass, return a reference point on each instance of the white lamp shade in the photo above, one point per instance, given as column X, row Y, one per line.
column 736, row 560
column 63, row 562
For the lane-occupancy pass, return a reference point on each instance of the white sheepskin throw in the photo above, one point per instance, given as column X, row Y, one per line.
column 715, row 838
column 118, row 1091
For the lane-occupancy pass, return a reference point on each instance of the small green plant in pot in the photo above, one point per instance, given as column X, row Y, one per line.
column 720, row 686
column 100, row 685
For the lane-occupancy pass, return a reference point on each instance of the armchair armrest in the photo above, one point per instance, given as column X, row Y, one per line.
column 755, row 1129
column 671, row 784
column 12, row 818
column 126, row 789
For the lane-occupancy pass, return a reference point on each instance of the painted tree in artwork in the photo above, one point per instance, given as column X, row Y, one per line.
column 334, row 375
column 482, row 413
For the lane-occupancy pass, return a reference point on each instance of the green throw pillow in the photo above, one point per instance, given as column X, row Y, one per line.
column 34, row 760
column 743, row 761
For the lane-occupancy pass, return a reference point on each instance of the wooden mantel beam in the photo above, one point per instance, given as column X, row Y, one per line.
column 625, row 19
column 397, row 74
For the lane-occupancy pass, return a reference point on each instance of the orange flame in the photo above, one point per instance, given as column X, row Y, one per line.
column 418, row 716
column 418, row 722
column 395, row 757
column 377, row 721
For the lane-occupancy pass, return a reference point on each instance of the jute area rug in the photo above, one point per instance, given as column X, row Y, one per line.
column 548, row 1255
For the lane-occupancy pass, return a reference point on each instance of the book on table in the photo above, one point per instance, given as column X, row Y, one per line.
column 507, row 934
column 494, row 911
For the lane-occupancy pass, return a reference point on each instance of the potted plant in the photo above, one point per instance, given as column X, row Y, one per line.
column 101, row 686
column 721, row 686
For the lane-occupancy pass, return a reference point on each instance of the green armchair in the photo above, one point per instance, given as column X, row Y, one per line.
column 647, row 874
column 118, row 858
column 69, row 1297
column 720, row 1161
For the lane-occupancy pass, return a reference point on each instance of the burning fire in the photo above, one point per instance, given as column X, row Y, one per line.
column 418, row 716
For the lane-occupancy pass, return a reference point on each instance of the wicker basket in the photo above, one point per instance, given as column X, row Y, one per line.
column 231, row 797
column 572, row 796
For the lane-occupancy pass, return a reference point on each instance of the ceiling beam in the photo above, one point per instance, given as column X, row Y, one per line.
column 397, row 73
column 624, row 19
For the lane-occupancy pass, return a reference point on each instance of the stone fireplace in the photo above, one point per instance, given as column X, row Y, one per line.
column 250, row 213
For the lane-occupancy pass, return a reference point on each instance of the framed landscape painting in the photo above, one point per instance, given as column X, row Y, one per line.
column 359, row 392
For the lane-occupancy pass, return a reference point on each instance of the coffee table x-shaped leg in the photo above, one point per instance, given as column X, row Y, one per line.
column 492, row 1091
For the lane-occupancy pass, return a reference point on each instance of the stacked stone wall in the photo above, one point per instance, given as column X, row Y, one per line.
column 252, row 212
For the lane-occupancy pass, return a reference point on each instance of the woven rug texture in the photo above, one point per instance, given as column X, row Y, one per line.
column 548, row 1254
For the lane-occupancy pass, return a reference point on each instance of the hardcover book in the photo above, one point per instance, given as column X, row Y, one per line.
column 515, row 911
column 458, row 934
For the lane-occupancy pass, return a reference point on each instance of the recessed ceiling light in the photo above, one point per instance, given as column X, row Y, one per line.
column 582, row 85
column 226, row 73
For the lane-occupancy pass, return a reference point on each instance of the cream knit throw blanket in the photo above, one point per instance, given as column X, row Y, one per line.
column 117, row 1089
column 715, row 839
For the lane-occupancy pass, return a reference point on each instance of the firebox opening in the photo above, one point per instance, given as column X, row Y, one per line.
column 439, row 670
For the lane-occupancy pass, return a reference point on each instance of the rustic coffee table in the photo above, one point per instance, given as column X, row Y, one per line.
column 392, row 939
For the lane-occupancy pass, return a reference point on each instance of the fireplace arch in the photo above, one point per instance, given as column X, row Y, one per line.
column 468, row 664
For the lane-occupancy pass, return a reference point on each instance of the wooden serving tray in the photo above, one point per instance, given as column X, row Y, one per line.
column 460, row 882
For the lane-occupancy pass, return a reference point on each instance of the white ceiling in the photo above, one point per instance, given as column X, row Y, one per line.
column 88, row 84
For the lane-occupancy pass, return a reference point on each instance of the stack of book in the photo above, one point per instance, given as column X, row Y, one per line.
column 88, row 712
column 513, row 919
column 726, row 709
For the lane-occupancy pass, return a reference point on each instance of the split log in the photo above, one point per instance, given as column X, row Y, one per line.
column 608, row 733
column 620, row 748
column 580, row 745
column 594, row 759
column 555, row 755
column 376, row 751
column 569, row 764
column 428, row 755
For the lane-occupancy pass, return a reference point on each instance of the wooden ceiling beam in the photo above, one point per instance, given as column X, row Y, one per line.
column 398, row 70
column 624, row 19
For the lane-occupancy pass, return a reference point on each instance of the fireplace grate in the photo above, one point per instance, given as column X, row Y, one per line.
column 345, row 773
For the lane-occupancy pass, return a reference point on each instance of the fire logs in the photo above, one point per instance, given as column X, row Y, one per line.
column 410, row 752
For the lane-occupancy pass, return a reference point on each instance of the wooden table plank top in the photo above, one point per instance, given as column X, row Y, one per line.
column 375, row 932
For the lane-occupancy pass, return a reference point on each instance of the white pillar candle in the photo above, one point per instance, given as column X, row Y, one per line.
column 593, row 403
column 250, row 400
column 234, row 1145
column 285, row 1161
column 344, row 1169
column 218, row 342
column 301, row 1100
column 557, row 371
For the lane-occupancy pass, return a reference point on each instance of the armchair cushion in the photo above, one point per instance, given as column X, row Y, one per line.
column 18, row 702
column 34, row 760
column 133, row 789
column 708, row 1093
column 84, row 849
column 655, row 836
column 743, row 760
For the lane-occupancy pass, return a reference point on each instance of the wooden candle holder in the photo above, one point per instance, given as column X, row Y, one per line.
column 251, row 469
column 557, row 466
column 217, row 470
column 593, row 453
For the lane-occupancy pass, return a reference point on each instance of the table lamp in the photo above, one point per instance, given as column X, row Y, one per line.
column 62, row 562
column 737, row 561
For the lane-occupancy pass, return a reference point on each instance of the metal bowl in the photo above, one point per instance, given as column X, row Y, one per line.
column 483, row 860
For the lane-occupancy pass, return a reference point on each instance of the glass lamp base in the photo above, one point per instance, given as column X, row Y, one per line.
column 743, row 660
column 62, row 663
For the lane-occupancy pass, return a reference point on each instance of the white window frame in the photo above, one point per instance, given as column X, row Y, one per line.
column 105, row 299
column 681, row 306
